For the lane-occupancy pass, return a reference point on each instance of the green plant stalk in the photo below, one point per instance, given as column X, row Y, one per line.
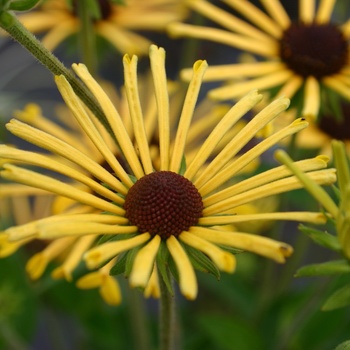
column 87, row 38
column 10, row 23
column 312, row 187
column 166, row 318
column 138, row 317
column 341, row 163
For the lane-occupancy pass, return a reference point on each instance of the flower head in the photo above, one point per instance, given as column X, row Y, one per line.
column 117, row 24
column 304, row 56
column 173, row 213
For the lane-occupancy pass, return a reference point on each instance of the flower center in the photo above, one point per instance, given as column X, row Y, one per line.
column 337, row 129
column 163, row 203
column 314, row 49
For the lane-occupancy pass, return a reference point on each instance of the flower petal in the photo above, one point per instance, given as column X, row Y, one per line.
column 98, row 255
column 144, row 263
column 187, row 276
column 264, row 246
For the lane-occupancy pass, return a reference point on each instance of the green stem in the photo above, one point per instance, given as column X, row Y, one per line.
column 87, row 37
column 17, row 31
column 166, row 318
column 139, row 320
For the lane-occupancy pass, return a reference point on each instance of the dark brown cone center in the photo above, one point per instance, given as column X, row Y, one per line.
column 163, row 203
column 335, row 127
column 314, row 49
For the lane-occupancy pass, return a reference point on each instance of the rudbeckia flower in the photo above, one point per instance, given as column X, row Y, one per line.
column 118, row 24
column 327, row 128
column 166, row 217
column 304, row 56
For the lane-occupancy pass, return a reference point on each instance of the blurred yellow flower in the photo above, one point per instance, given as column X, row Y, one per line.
column 118, row 24
column 301, row 56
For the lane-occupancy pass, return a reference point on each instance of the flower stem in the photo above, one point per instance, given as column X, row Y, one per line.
column 166, row 318
column 10, row 23
column 87, row 37
column 312, row 187
column 139, row 320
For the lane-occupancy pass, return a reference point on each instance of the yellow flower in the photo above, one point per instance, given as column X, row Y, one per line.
column 118, row 23
column 174, row 213
column 301, row 56
column 320, row 133
column 30, row 204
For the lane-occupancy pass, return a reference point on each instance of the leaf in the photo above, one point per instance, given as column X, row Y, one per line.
column 130, row 260
column 119, row 266
column 162, row 264
column 338, row 299
column 113, row 238
column 322, row 238
column 118, row 2
column 22, row 5
column 173, row 268
column 324, row 269
column 201, row 261
column 182, row 166
column 231, row 250
column 343, row 346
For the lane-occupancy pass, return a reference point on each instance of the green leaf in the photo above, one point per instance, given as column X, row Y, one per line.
column 112, row 238
column 118, row 2
column 7, row 20
column 322, row 238
column 173, row 268
column 119, row 266
column 336, row 192
column 231, row 250
column 163, row 266
column 130, row 260
column 324, row 269
column 201, row 261
column 22, row 5
column 182, row 166
column 343, row 346
column 338, row 299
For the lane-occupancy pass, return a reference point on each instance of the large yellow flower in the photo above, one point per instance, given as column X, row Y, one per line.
column 118, row 23
column 175, row 215
column 301, row 56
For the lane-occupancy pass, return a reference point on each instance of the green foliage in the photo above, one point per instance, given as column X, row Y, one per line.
column 323, row 269
column 182, row 166
column 119, row 267
column 162, row 261
column 322, row 238
column 22, row 5
column 201, row 261
column 340, row 298
column 343, row 346
column 118, row 2
column 224, row 331
column 130, row 257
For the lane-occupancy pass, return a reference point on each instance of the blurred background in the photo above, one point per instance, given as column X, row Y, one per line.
column 262, row 306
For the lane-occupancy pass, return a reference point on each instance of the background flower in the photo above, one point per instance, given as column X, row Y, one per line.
column 119, row 24
column 302, row 56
